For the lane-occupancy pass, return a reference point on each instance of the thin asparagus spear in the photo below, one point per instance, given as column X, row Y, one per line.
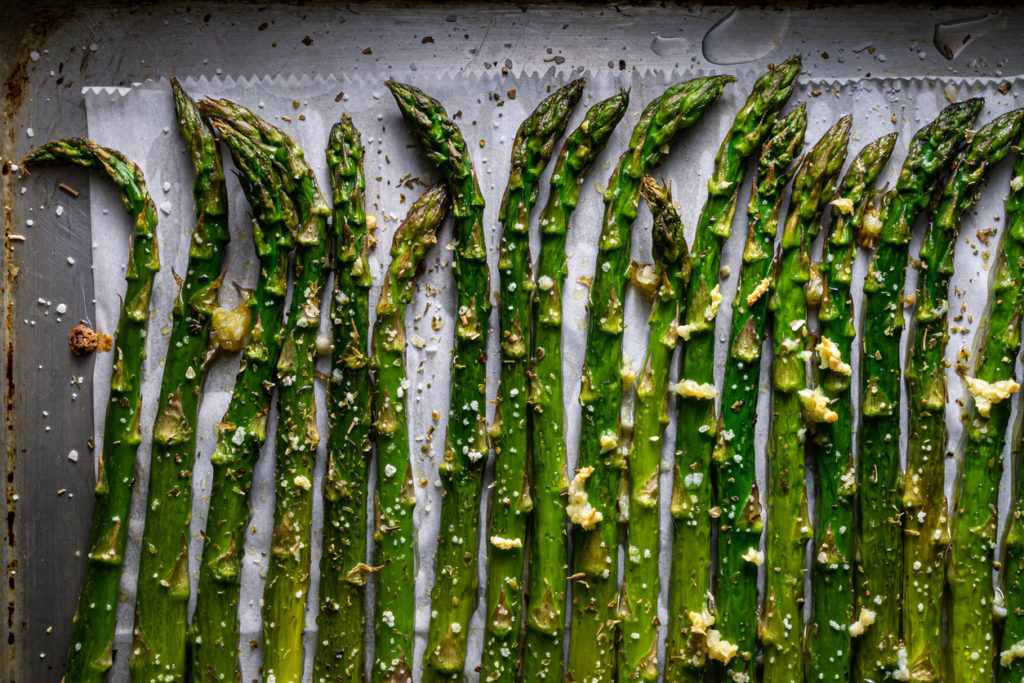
column 975, row 519
column 690, row 572
column 879, row 553
column 739, row 535
column 781, row 621
column 511, row 501
column 638, row 598
column 543, row 658
column 828, row 647
column 395, row 498
column 162, row 592
column 214, row 635
column 466, row 443
column 1004, row 320
column 595, row 535
column 343, row 569
column 92, row 636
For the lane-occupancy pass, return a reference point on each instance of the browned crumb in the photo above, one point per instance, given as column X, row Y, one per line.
column 83, row 340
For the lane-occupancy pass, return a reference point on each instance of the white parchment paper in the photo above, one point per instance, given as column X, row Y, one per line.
column 140, row 122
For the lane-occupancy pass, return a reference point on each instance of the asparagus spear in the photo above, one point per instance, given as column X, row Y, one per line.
column 879, row 553
column 214, row 635
column 545, row 620
column 595, row 536
column 455, row 572
column 395, row 499
column 511, row 501
column 343, row 569
column 92, row 636
column 975, row 520
column 158, row 646
column 829, row 656
column 690, row 573
column 1004, row 318
column 789, row 530
column 740, row 532
column 638, row 598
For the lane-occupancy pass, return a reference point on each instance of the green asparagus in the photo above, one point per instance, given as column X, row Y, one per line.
column 466, row 443
column 781, row 620
column 92, row 636
column 974, row 520
column 1011, row 655
column 879, row 554
column 739, row 534
column 511, row 501
column 545, row 622
column 395, row 496
column 214, row 635
column 690, row 572
column 638, row 597
column 162, row 592
column 343, row 569
column 595, row 535
column 828, row 638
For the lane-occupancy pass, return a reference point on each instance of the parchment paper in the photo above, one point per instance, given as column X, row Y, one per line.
column 140, row 122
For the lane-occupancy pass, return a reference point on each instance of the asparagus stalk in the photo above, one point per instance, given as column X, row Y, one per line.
column 92, row 636
column 638, row 598
column 511, row 500
column 690, row 572
column 455, row 572
column 214, row 635
column 828, row 647
column 975, row 520
column 595, row 536
column 739, row 535
column 1004, row 317
column 343, row 569
column 789, row 530
column 162, row 592
column 879, row 554
column 545, row 621
column 395, row 498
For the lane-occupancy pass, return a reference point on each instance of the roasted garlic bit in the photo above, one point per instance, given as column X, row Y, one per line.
column 229, row 327
column 83, row 340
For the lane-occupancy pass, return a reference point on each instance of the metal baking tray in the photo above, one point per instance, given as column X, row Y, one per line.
column 49, row 50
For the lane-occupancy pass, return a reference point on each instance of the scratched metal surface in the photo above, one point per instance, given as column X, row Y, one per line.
column 49, row 50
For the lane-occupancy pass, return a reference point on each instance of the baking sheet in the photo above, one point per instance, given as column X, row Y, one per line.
column 140, row 122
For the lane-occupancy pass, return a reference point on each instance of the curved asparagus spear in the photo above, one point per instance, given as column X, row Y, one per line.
column 1004, row 321
column 975, row 520
column 214, row 635
column 690, row 572
column 395, row 498
column 739, row 535
column 92, row 636
column 879, row 541
column 638, row 598
column 828, row 647
column 595, row 536
column 545, row 621
column 158, row 645
column 455, row 577
column 781, row 621
column 343, row 569
column 511, row 501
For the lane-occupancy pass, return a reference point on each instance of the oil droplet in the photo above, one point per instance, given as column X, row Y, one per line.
column 951, row 37
column 666, row 47
column 745, row 36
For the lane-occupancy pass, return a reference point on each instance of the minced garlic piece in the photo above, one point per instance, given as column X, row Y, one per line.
column 816, row 405
column 228, row 327
column 754, row 555
column 701, row 622
column 506, row 543
column 759, row 291
column 716, row 301
column 844, row 204
column 719, row 648
column 829, row 356
column 1016, row 651
column 866, row 618
column 579, row 509
column 684, row 331
column 302, row 482
column 626, row 371
column 609, row 440
column 687, row 388
column 987, row 393
column 1017, row 183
